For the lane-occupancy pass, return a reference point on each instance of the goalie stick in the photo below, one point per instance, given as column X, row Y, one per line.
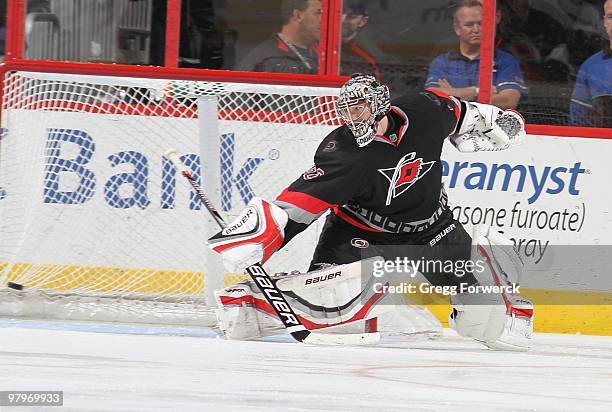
column 272, row 294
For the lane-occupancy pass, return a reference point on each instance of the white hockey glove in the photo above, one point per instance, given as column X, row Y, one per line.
column 485, row 127
column 502, row 321
column 252, row 237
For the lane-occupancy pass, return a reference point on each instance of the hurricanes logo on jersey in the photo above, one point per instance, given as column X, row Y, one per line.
column 407, row 172
column 313, row 173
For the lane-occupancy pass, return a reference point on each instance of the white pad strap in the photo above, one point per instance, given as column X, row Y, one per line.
column 252, row 237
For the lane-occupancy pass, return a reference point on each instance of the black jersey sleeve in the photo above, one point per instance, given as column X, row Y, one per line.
column 446, row 109
column 335, row 178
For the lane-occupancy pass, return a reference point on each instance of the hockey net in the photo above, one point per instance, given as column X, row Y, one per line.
column 95, row 223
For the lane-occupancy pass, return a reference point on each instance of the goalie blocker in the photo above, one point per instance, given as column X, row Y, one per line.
column 252, row 237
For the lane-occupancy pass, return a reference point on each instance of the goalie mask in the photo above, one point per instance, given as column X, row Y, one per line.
column 363, row 101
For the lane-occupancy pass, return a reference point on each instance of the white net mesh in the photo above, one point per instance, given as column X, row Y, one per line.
column 94, row 221
column 90, row 208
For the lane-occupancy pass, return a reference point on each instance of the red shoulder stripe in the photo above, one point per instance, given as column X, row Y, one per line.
column 304, row 201
column 438, row 93
column 446, row 96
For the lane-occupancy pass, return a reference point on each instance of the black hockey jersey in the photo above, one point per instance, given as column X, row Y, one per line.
column 392, row 185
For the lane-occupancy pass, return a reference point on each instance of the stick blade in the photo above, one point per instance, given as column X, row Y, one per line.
column 349, row 339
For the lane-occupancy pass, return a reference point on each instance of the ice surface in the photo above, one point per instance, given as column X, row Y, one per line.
column 128, row 368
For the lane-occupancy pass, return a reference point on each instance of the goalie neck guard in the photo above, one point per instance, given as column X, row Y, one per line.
column 362, row 102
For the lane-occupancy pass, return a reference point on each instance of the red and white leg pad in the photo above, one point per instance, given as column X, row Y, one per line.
column 338, row 299
column 330, row 300
column 502, row 321
column 496, row 325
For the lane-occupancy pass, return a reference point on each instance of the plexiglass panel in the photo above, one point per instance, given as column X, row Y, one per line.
column 564, row 53
column 408, row 44
column 104, row 31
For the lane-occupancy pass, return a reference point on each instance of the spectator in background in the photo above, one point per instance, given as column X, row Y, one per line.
column 546, row 36
column 513, row 18
column 158, row 33
column 456, row 72
column 201, row 36
column 354, row 58
column 568, row 31
column 295, row 49
column 591, row 103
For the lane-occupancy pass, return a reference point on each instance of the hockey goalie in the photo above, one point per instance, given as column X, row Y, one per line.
column 380, row 176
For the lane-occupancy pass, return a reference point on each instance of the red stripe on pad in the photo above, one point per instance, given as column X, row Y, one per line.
column 371, row 325
column 510, row 310
column 524, row 313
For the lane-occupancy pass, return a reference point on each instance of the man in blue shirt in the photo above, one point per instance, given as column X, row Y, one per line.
column 456, row 72
column 591, row 103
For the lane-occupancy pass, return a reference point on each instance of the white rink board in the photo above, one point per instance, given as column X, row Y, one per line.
column 547, row 163
column 280, row 160
column 110, row 134
column 580, row 198
column 547, row 186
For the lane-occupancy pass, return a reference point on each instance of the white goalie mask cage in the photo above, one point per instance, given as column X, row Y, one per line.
column 362, row 91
